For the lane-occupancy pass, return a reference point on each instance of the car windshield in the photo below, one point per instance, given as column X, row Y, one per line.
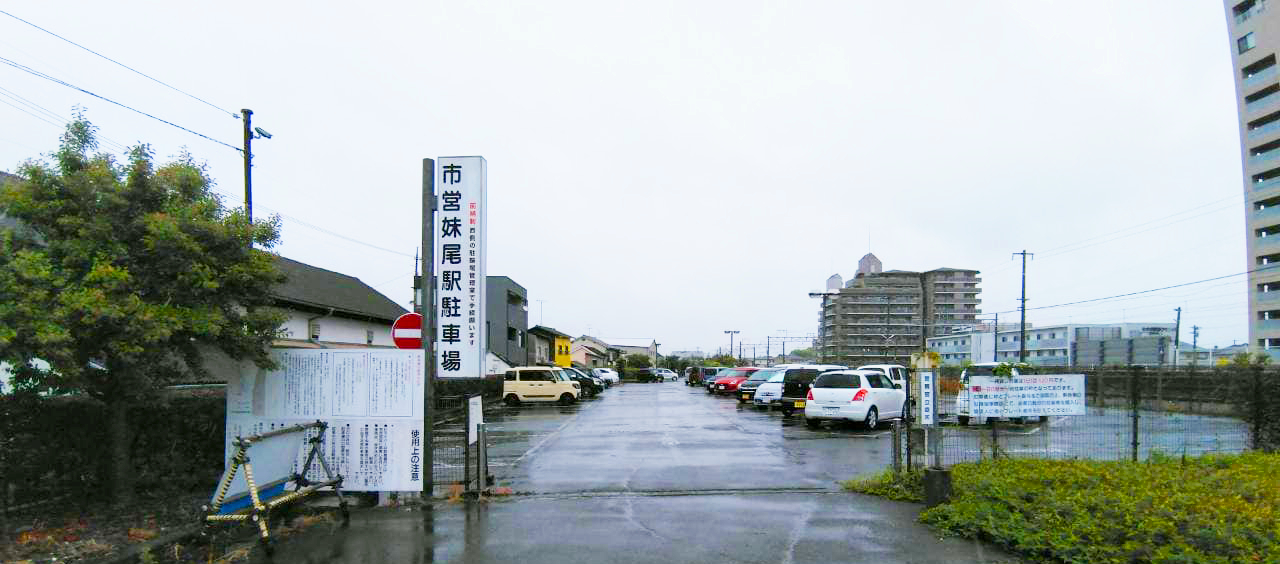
column 562, row 376
column 778, row 377
column 763, row 375
column 837, row 380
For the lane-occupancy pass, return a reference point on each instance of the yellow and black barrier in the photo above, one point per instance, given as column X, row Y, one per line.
column 256, row 502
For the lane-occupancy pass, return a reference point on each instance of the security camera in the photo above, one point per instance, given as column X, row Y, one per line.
column 262, row 133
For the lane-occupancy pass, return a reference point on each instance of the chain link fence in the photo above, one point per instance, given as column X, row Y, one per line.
column 1133, row 413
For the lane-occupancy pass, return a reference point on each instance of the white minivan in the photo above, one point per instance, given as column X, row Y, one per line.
column 538, row 384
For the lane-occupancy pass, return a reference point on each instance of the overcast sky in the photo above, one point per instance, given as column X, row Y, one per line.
column 672, row 170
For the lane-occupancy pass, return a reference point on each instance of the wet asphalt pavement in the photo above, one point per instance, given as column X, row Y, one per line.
column 654, row 473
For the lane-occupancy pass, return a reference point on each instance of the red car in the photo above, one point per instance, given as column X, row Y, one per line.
column 728, row 380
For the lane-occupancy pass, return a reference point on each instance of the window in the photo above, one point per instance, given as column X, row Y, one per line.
column 510, row 376
column 1245, row 43
column 368, row 337
column 835, row 380
column 314, row 329
column 513, row 334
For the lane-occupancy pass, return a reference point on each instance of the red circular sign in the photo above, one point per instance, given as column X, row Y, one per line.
column 407, row 331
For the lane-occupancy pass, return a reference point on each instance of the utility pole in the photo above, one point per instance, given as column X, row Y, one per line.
column 995, row 343
column 1177, row 337
column 731, row 334
column 248, row 166
column 767, row 354
column 1022, row 329
column 428, row 319
column 1195, row 344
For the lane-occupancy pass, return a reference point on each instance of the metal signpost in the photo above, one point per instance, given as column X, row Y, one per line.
column 454, row 224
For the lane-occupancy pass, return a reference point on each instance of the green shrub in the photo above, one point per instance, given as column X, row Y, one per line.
column 907, row 487
column 1214, row 509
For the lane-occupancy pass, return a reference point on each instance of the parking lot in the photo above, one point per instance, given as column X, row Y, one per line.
column 654, row 472
column 670, row 437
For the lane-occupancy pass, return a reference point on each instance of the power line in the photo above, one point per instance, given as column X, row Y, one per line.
column 44, row 114
column 37, row 73
column 1268, row 267
column 153, row 79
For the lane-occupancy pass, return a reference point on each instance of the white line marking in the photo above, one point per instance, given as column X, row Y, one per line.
column 407, row 334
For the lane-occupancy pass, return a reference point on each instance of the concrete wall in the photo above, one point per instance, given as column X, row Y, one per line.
column 335, row 329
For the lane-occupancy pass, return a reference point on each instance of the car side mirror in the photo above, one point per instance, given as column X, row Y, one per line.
column 897, row 386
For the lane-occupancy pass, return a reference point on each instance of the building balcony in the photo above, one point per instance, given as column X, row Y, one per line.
column 1267, row 184
column 1033, row 344
column 1267, row 325
column 1264, row 103
column 1267, row 298
column 1259, row 78
column 1266, row 245
column 1271, row 213
column 1259, row 132
column 1264, row 157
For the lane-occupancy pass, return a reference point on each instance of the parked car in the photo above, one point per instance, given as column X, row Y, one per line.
column 865, row 396
column 727, row 381
column 699, row 374
column 963, row 413
column 897, row 373
column 668, row 374
column 539, row 384
column 788, row 388
column 647, row 375
column 609, row 375
column 747, row 389
column 591, row 385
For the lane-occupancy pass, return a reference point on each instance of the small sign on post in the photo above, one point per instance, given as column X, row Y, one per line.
column 475, row 416
column 928, row 381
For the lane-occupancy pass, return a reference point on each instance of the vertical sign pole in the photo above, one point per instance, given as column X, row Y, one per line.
column 466, row 452
column 428, row 323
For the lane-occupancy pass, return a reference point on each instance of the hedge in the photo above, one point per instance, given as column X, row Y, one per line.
column 1212, row 509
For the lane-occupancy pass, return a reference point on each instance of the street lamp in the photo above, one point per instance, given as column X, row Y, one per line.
column 731, row 334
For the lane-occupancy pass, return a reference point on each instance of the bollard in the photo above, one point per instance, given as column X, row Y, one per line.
column 897, row 448
column 937, row 486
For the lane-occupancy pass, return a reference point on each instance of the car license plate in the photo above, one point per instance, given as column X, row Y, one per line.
column 746, row 396
column 799, row 404
column 831, row 410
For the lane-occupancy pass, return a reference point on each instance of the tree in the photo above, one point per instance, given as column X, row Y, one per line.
column 721, row 360
column 803, row 353
column 637, row 360
column 124, row 274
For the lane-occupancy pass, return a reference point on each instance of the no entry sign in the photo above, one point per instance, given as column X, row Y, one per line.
column 407, row 331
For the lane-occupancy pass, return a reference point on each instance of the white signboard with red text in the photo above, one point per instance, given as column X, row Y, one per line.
column 372, row 400
column 1027, row 396
column 461, row 187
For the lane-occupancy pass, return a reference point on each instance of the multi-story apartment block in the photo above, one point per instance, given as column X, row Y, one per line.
column 1255, row 39
column 1062, row 345
column 884, row 316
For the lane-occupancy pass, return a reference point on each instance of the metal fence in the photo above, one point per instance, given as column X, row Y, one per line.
column 1133, row 413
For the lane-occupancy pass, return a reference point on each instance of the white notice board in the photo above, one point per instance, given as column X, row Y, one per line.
column 1027, row 396
column 371, row 399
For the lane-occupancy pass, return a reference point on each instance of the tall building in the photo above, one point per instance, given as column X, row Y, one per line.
column 881, row 317
column 1255, row 39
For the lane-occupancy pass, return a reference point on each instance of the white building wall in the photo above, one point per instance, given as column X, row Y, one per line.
column 338, row 329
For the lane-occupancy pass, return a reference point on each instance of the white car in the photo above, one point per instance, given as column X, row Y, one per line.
column 897, row 373
column 854, row 395
column 769, row 392
column 667, row 374
column 606, row 374
column 963, row 415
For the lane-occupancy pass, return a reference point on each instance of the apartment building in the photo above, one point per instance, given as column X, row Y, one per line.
column 1254, row 27
column 883, row 316
column 1062, row 345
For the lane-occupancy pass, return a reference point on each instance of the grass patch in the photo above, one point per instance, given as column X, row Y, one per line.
column 1213, row 509
column 907, row 487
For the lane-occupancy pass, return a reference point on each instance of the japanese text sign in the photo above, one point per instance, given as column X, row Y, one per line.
column 462, row 184
column 1026, row 396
